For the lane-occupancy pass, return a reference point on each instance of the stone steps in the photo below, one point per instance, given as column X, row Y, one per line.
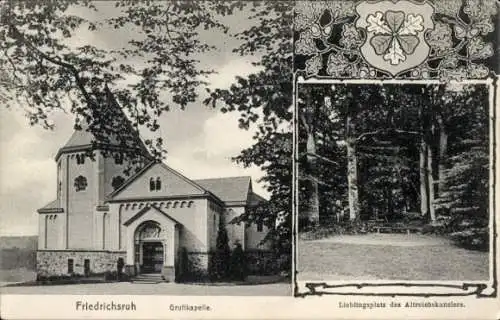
column 148, row 278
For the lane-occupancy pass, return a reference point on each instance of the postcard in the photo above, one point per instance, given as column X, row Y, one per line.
column 239, row 160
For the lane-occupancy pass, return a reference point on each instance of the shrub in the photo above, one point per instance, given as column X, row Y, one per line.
column 222, row 256
column 472, row 238
column 413, row 216
column 110, row 275
column 238, row 264
column 441, row 226
column 344, row 227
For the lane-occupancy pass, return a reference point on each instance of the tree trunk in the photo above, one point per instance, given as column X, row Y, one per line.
column 312, row 212
column 443, row 150
column 424, row 203
column 340, row 211
column 352, row 180
column 430, row 179
column 352, row 170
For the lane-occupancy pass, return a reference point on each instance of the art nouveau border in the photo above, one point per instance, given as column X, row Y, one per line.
column 479, row 289
column 443, row 39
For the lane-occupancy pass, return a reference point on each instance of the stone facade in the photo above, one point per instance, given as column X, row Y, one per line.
column 55, row 262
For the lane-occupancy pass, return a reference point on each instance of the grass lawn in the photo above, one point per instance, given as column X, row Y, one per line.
column 388, row 257
column 16, row 275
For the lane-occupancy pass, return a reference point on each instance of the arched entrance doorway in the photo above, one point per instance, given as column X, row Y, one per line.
column 149, row 247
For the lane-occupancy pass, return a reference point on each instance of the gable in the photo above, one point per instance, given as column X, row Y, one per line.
column 149, row 210
column 172, row 183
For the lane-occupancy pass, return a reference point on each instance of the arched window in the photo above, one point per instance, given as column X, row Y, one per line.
column 80, row 183
column 260, row 226
column 80, row 159
column 154, row 185
column 59, row 183
column 117, row 182
column 119, row 158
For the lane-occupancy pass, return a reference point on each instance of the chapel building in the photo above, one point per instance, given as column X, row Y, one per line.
column 114, row 209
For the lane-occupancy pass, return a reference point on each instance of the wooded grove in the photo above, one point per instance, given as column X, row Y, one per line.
column 394, row 153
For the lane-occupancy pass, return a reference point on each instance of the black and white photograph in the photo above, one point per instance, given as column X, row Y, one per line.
column 229, row 159
column 394, row 181
column 133, row 148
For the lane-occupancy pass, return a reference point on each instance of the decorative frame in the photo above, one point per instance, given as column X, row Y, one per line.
column 332, row 39
column 346, row 41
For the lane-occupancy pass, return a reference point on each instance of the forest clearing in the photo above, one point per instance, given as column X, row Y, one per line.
column 389, row 257
column 393, row 181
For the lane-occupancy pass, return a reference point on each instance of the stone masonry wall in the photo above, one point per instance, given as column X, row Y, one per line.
column 55, row 262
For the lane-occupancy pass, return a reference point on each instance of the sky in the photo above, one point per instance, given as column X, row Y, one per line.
column 200, row 141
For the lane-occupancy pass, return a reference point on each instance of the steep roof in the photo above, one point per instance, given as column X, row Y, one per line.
column 79, row 138
column 85, row 137
column 230, row 189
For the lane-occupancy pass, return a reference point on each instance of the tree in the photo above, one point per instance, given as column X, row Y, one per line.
column 222, row 256
column 46, row 72
column 319, row 131
column 350, row 102
column 387, row 141
column 464, row 192
column 309, row 114
column 264, row 99
column 238, row 264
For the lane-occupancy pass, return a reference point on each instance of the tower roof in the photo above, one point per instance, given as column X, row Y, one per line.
column 113, row 130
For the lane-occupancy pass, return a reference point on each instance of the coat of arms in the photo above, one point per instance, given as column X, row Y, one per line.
column 395, row 33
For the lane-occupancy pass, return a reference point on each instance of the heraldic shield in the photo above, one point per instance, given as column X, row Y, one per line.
column 395, row 32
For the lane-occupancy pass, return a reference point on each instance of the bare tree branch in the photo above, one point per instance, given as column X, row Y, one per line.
column 314, row 179
column 377, row 132
column 319, row 157
column 304, row 122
